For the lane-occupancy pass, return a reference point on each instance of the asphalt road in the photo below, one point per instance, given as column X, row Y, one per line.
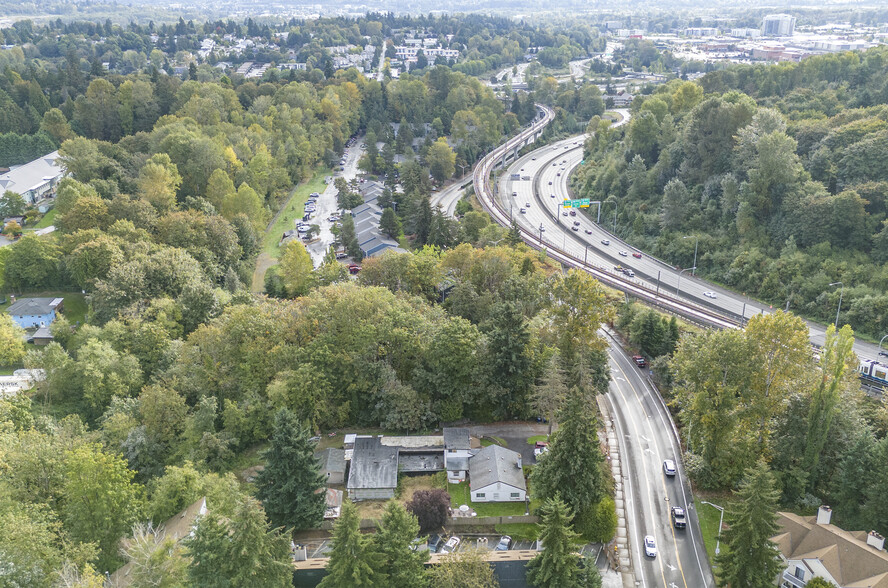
column 550, row 168
column 646, row 438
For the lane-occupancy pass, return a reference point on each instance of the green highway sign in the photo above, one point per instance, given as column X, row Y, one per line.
column 581, row 203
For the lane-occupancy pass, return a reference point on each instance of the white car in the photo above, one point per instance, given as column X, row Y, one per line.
column 522, row 211
column 669, row 467
column 710, row 295
column 650, row 546
column 564, row 213
column 623, row 254
column 605, row 242
column 451, row 545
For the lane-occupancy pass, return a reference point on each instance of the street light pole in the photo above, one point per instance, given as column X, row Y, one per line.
column 678, row 286
column 586, row 255
column 696, row 241
column 720, row 520
column 841, row 293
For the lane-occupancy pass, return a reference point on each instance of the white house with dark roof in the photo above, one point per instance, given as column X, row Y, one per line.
column 456, row 454
column 496, row 475
column 35, row 181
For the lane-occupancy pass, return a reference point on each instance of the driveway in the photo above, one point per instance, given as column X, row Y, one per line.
column 514, row 434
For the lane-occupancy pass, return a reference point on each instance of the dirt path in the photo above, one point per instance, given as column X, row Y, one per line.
column 263, row 262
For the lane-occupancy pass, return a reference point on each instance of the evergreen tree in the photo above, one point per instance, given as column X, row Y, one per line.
column 393, row 540
column 353, row 561
column 239, row 552
column 573, row 467
column 291, row 485
column 423, row 222
column 749, row 559
column 389, row 223
column 556, row 566
column 510, row 364
column 513, row 238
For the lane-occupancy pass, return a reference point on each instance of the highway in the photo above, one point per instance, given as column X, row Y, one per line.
column 646, row 437
column 549, row 170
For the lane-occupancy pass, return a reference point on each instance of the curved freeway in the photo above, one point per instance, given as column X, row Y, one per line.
column 550, row 167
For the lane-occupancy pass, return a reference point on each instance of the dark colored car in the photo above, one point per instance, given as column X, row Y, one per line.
column 678, row 517
column 639, row 361
column 435, row 543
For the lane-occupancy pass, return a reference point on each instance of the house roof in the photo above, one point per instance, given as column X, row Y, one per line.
column 373, row 465
column 458, row 464
column 33, row 306
column 456, row 438
column 42, row 333
column 31, row 175
column 332, row 459
column 496, row 464
column 844, row 554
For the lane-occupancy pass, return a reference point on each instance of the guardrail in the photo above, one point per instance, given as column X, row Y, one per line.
column 481, row 182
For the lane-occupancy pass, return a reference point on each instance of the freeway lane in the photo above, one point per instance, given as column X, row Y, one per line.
column 587, row 242
column 646, row 437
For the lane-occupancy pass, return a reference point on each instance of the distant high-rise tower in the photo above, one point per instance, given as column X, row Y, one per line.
column 778, row 25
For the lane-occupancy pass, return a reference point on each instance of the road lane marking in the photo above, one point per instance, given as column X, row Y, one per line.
column 663, row 482
column 646, row 484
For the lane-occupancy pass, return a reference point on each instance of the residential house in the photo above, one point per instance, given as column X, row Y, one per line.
column 34, row 312
column 36, row 180
column 496, row 475
column 811, row 547
column 621, row 99
column 332, row 464
column 456, row 454
column 178, row 527
column 373, row 474
column 366, row 217
column 42, row 336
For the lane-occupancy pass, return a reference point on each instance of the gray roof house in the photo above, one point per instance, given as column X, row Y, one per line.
column 35, row 180
column 332, row 464
column 496, row 475
column 373, row 474
column 456, row 453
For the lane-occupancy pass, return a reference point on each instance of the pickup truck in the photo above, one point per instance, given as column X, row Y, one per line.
column 639, row 361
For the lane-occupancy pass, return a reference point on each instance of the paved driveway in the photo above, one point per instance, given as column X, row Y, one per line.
column 514, row 434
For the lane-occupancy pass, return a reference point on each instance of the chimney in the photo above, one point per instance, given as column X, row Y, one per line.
column 824, row 514
column 875, row 540
column 519, row 462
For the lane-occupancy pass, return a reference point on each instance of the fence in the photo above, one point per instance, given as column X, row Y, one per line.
column 455, row 521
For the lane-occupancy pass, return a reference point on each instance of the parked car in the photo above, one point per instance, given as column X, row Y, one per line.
column 639, row 361
column 636, row 255
column 505, row 543
column 650, row 546
column 451, row 545
column 354, row 268
column 435, row 542
column 678, row 517
column 668, row 467
column 605, row 242
column 419, row 544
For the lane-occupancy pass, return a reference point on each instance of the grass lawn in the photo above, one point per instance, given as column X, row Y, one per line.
column 47, row 220
column 709, row 517
column 519, row 531
column 459, row 494
column 535, row 438
column 293, row 210
column 491, row 440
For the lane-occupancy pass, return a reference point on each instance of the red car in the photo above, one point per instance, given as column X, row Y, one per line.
column 639, row 361
column 636, row 255
column 354, row 268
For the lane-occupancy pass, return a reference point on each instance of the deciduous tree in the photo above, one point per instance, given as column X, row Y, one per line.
column 431, row 508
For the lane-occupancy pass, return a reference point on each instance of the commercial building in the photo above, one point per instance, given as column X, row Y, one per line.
column 778, row 25
column 36, row 180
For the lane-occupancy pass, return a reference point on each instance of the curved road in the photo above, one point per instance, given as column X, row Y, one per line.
column 550, row 167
